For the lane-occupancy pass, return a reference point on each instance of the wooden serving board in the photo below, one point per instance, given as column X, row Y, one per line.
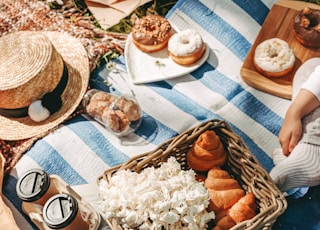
column 279, row 23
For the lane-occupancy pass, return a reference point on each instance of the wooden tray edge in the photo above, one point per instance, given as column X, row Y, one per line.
column 276, row 87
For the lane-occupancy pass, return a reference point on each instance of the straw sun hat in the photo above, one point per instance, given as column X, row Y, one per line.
column 43, row 77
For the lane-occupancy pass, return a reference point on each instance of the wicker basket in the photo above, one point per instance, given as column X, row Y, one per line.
column 240, row 163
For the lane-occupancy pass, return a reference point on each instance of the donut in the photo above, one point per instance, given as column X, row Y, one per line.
column 306, row 27
column 186, row 47
column 274, row 58
column 151, row 33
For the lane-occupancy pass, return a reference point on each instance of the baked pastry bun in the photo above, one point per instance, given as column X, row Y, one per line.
column 228, row 200
column 224, row 190
column 206, row 152
column 243, row 209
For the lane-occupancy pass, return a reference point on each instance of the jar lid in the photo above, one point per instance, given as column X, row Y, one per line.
column 60, row 210
column 33, row 185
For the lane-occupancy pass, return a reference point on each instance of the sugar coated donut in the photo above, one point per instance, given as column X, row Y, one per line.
column 306, row 27
column 151, row 33
column 274, row 58
column 186, row 47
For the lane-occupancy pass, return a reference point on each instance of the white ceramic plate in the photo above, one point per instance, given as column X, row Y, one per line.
column 150, row 67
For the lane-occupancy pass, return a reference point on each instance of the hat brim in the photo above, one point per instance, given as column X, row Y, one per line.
column 76, row 60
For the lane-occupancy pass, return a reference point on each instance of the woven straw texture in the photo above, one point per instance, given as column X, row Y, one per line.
column 75, row 57
column 37, row 16
column 30, row 68
column 240, row 163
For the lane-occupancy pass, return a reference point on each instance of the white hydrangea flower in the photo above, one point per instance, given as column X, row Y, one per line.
column 165, row 197
column 170, row 217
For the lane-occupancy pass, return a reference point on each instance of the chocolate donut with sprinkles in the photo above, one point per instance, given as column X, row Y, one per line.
column 306, row 27
column 151, row 33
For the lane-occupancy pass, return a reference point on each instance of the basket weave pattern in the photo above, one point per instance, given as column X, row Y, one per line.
column 241, row 164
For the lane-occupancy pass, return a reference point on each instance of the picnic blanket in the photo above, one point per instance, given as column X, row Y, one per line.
column 81, row 149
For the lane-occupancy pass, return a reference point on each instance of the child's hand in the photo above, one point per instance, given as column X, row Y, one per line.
column 291, row 129
column 290, row 132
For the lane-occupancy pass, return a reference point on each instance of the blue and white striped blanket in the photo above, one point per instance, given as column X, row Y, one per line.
column 81, row 149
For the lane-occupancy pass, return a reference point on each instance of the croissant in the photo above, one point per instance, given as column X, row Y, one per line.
column 206, row 152
column 243, row 209
column 224, row 190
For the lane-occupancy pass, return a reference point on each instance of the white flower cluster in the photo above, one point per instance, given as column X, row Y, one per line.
column 157, row 198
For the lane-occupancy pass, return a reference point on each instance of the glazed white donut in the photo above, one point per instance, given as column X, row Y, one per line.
column 186, row 47
column 274, row 57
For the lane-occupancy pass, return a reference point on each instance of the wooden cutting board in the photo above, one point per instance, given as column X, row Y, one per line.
column 279, row 23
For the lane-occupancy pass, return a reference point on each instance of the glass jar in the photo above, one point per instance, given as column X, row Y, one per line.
column 121, row 115
column 35, row 186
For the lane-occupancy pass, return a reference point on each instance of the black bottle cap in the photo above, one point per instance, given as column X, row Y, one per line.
column 60, row 210
column 33, row 185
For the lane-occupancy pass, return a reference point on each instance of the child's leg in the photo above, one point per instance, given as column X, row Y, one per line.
column 278, row 156
column 302, row 167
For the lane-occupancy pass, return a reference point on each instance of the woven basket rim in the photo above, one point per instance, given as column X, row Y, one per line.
column 253, row 177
